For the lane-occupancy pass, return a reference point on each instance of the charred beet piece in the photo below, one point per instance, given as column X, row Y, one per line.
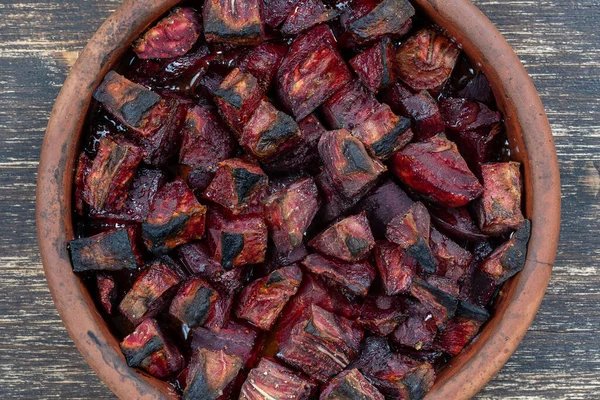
column 451, row 259
column 350, row 385
column 261, row 301
column 238, row 185
column 113, row 250
column 374, row 66
column 173, row 36
column 175, row 218
column 271, row 380
column 435, row 169
column 351, row 170
column 418, row 330
column 478, row 89
column 426, row 60
column 107, row 292
column 269, row 132
column 425, row 114
column 509, row 258
column 305, row 15
column 234, row 339
column 234, row 22
column 312, row 71
column 349, row 239
column 209, row 374
column 442, row 305
column 349, row 106
column 456, row 222
column 381, row 314
column 354, row 278
column 463, row 114
column 499, row 208
column 289, row 212
column 148, row 349
column 194, row 303
column 262, row 62
column 237, row 97
column 111, row 174
column 411, row 232
column 462, row 329
column 319, row 343
column 395, row 267
column 151, row 291
column 236, row 241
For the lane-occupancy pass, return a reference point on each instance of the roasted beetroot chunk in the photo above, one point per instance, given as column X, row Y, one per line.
column 354, row 278
column 107, row 292
column 261, row 301
column 312, row 71
column 173, row 36
column 349, row 106
column 209, row 373
column 456, row 222
column 478, row 89
column 334, row 204
column 462, row 329
column 509, row 258
column 426, row 60
column 435, row 169
column 499, row 208
column 374, row 66
column 464, row 115
column 480, row 146
column 175, row 218
column 381, row 314
column 151, row 291
column 442, row 305
column 262, row 62
column 424, row 113
column 112, row 251
column 305, row 15
column 111, row 173
column 418, row 331
column 234, row 339
column 319, row 343
column 234, row 22
column 396, row 268
column 194, row 302
column 384, row 133
column 237, row 185
column 289, row 212
column 148, row 349
column 451, row 259
column 271, row 380
column 349, row 239
column 350, row 385
column 236, row 241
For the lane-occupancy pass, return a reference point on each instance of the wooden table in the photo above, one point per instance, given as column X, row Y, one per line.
column 557, row 40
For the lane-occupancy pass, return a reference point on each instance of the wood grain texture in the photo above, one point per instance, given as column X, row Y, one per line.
column 559, row 44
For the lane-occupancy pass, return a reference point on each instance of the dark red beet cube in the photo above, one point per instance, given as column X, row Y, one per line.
column 319, row 343
column 498, row 209
column 426, row 60
column 456, row 222
column 210, row 372
column 238, row 185
column 509, row 258
column 425, row 114
column 107, row 292
column 176, row 217
column 194, row 303
column 480, row 146
column 478, row 89
column 439, row 303
column 148, row 349
column 349, row 239
column 234, row 339
column 234, row 22
column 334, row 203
column 261, row 301
column 418, row 331
column 462, row 329
column 354, row 278
column 305, row 15
column 172, row 36
column 112, row 251
column 276, row 11
column 381, row 314
column 375, row 66
column 396, row 268
column 151, row 291
column 349, row 106
column 451, row 259
column 262, row 62
column 271, row 380
column 350, row 384
column 435, row 169
column 236, row 241
column 312, row 71
column 464, row 114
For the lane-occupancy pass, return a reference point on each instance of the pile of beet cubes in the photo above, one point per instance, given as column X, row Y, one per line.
column 293, row 199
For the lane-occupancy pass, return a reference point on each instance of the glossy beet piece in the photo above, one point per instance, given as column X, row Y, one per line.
column 210, row 373
column 312, row 71
column 305, row 15
column 151, row 291
column 237, row 97
column 478, row 89
column 234, row 339
column 194, row 303
column 319, row 343
column 289, row 212
column 435, row 169
column 236, row 241
column 418, row 331
column 426, row 60
column 261, row 301
column 112, row 251
column 350, row 385
column 499, row 208
column 351, row 170
column 262, row 62
column 349, row 106
column 462, row 329
column 395, row 267
column 271, row 380
column 238, row 185
column 148, row 349
column 424, row 113
column 509, row 258
column 176, row 217
column 349, row 239
column 375, row 66
column 111, row 173
column 172, row 36
column 439, row 303
column 269, row 133
column 456, row 222
column 381, row 314
column 234, row 22
column 465, row 114
column 452, row 260
column 354, row 278
column 107, row 292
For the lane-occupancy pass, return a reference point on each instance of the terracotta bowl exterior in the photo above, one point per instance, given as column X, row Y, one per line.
column 531, row 143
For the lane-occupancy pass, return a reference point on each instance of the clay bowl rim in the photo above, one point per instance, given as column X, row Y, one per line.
column 531, row 143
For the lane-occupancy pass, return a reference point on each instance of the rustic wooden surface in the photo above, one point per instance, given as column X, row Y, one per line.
column 558, row 41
